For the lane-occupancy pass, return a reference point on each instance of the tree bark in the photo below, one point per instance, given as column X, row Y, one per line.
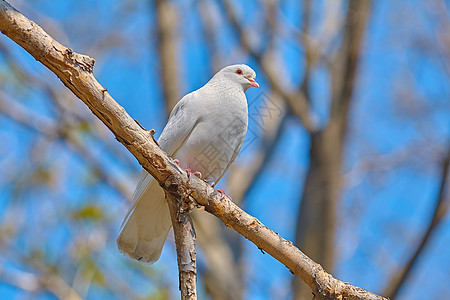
column 184, row 232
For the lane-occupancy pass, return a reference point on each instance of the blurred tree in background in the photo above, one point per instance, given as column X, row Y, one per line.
column 347, row 151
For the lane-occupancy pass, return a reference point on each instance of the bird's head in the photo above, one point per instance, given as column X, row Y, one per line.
column 241, row 74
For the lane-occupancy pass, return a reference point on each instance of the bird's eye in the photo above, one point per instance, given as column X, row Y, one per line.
column 239, row 71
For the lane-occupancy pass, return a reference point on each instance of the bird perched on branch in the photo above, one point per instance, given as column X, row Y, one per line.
column 204, row 133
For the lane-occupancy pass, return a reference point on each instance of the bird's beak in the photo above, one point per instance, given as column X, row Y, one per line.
column 253, row 82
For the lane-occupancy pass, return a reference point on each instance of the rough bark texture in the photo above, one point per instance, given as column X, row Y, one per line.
column 221, row 277
column 185, row 244
column 75, row 71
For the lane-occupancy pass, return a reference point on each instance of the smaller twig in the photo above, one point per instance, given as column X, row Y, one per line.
column 441, row 209
column 184, row 232
column 140, row 124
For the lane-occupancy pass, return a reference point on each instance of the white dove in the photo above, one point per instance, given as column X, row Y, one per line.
column 204, row 133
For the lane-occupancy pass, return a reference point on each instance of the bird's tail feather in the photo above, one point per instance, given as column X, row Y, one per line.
column 147, row 223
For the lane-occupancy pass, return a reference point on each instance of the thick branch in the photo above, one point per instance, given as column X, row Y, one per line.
column 75, row 71
column 184, row 232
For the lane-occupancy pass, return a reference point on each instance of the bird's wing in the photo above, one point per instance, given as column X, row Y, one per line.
column 147, row 223
column 182, row 121
column 233, row 157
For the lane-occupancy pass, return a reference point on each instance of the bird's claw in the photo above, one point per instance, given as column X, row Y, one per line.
column 222, row 193
column 196, row 173
column 177, row 162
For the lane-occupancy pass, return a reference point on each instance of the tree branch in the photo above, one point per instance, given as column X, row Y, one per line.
column 439, row 212
column 184, row 232
column 75, row 71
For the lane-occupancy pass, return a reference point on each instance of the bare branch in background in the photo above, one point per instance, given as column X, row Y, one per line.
column 270, row 120
column 296, row 101
column 39, row 283
column 53, row 131
column 317, row 215
column 441, row 209
column 75, row 71
column 167, row 46
column 268, row 112
column 310, row 52
column 210, row 27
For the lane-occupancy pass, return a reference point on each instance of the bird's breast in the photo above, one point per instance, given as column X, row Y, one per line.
column 212, row 143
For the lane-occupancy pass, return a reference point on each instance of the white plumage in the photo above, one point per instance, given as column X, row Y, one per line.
column 205, row 132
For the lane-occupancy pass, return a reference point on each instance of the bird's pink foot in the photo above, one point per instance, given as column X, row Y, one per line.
column 198, row 174
column 222, row 193
column 177, row 162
